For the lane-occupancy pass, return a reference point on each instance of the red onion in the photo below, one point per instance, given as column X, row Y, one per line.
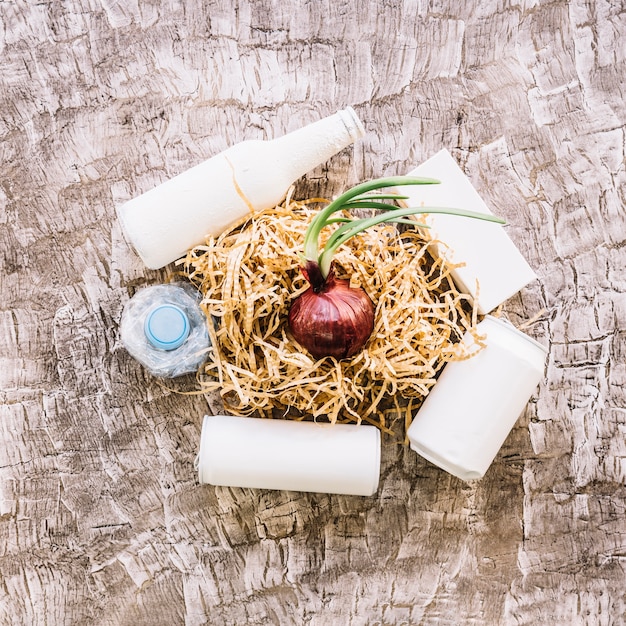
column 331, row 318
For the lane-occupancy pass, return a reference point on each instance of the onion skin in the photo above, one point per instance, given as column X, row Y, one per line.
column 331, row 318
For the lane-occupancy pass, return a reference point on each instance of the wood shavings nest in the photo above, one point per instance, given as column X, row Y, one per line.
column 250, row 275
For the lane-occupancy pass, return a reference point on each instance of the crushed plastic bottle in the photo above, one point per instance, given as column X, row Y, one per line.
column 164, row 328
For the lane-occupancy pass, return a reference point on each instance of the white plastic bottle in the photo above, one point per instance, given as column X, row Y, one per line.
column 290, row 455
column 164, row 329
column 167, row 221
column 469, row 413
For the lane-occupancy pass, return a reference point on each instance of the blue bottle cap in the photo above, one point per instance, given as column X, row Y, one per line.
column 166, row 327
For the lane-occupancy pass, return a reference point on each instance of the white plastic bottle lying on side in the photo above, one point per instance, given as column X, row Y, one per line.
column 164, row 328
column 167, row 221
column 470, row 411
column 290, row 455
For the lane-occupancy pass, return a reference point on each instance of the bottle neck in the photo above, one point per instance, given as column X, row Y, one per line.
column 314, row 144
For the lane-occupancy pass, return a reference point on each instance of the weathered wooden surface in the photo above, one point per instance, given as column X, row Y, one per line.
column 101, row 517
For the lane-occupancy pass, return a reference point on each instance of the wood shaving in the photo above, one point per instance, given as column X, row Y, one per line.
column 248, row 278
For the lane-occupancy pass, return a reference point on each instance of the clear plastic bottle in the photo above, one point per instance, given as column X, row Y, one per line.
column 164, row 328
column 167, row 221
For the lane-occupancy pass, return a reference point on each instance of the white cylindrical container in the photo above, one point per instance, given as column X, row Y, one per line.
column 167, row 221
column 470, row 411
column 491, row 268
column 290, row 455
column 164, row 328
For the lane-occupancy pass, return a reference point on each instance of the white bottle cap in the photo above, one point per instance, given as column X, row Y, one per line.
column 166, row 327
column 353, row 124
column 493, row 268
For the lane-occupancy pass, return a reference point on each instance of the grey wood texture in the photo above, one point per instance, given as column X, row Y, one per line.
column 102, row 520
